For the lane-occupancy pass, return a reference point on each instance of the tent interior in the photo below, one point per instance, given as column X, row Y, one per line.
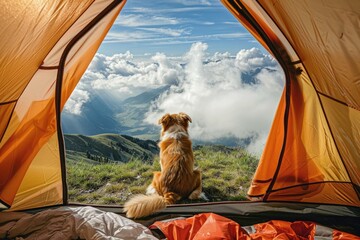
column 309, row 169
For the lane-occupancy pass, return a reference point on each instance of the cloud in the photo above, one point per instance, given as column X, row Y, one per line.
column 141, row 20
column 172, row 25
column 209, row 87
column 163, row 36
column 232, row 23
column 248, row 59
column 177, row 9
column 78, row 99
column 191, row 2
column 121, row 75
column 207, row 23
column 167, row 31
column 130, row 36
column 220, row 104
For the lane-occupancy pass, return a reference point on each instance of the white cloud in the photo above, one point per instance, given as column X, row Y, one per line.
column 122, row 75
column 167, row 31
column 75, row 103
column 127, row 36
column 167, row 36
column 207, row 23
column 140, row 20
column 220, row 105
column 232, row 23
column 192, row 2
column 208, row 87
column 165, row 10
column 248, row 59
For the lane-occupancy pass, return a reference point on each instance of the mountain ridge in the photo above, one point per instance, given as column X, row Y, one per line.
column 110, row 147
column 107, row 114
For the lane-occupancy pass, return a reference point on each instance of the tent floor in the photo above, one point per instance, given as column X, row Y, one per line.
column 343, row 218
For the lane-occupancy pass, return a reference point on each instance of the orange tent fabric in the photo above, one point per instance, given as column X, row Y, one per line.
column 212, row 226
column 312, row 152
column 46, row 46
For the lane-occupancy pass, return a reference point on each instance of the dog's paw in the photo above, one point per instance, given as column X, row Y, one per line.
column 150, row 190
column 203, row 197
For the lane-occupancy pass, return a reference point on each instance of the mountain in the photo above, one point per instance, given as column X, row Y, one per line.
column 250, row 76
column 105, row 114
column 146, row 97
column 102, row 114
column 97, row 117
column 134, row 111
column 109, row 147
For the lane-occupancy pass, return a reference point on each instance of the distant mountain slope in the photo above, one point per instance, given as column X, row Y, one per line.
column 147, row 96
column 97, row 117
column 110, row 147
column 134, row 109
column 103, row 115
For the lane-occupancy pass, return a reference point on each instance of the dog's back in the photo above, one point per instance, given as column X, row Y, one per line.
column 177, row 162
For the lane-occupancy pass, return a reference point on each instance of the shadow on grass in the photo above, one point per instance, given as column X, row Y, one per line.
column 214, row 195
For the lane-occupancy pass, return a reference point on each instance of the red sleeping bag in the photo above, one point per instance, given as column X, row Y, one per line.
column 212, row 226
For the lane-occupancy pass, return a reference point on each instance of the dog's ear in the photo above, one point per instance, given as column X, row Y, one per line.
column 185, row 117
column 164, row 120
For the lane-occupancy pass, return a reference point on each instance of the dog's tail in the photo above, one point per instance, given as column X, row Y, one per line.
column 144, row 205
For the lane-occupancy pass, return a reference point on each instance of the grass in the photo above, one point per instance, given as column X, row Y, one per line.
column 226, row 175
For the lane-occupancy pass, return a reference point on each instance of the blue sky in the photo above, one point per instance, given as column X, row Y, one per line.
column 170, row 27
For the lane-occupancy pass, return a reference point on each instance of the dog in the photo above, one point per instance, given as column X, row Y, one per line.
column 177, row 179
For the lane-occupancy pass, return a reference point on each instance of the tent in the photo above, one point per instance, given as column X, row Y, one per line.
column 312, row 153
column 310, row 168
column 46, row 46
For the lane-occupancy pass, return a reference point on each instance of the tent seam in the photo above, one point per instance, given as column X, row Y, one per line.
column 311, row 183
column 59, row 82
column 287, row 108
column 8, row 122
column 337, row 100
column 25, row 87
column 280, row 57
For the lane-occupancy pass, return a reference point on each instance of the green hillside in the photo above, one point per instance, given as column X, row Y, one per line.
column 226, row 174
column 109, row 148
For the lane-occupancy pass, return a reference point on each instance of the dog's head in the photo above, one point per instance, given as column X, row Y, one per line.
column 175, row 121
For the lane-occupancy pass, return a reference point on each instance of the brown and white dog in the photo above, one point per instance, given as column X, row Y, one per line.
column 178, row 178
